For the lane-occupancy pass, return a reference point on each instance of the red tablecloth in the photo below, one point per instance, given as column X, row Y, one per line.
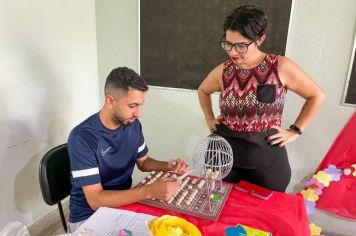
column 342, row 154
column 282, row 214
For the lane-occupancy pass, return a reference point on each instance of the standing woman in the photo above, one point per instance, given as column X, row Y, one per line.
column 252, row 86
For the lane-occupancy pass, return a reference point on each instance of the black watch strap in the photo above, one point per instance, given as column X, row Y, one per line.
column 295, row 129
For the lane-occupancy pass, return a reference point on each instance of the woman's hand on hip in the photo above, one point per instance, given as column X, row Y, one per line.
column 212, row 122
column 282, row 137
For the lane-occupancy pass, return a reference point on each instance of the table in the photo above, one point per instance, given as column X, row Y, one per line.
column 282, row 214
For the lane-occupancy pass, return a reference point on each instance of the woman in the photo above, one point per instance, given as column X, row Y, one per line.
column 252, row 86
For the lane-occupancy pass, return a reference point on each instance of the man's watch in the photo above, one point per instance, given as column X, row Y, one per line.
column 295, row 129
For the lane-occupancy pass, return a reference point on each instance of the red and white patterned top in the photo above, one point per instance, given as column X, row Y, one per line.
column 241, row 109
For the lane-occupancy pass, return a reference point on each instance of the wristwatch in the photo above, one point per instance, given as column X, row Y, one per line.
column 295, row 129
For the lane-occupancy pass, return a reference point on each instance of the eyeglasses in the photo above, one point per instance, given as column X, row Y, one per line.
column 239, row 47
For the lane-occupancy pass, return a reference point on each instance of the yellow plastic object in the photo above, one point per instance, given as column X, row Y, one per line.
column 310, row 195
column 314, row 229
column 167, row 225
column 323, row 178
column 249, row 231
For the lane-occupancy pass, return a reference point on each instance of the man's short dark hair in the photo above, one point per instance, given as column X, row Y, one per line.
column 123, row 78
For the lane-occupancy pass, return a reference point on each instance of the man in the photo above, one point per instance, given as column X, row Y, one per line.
column 104, row 148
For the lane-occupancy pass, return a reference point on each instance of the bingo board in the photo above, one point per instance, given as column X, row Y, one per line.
column 192, row 197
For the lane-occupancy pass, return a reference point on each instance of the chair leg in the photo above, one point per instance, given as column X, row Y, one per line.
column 64, row 224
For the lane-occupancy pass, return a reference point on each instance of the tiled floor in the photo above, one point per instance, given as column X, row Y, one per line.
column 57, row 231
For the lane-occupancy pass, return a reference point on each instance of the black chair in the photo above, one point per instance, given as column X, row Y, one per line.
column 54, row 176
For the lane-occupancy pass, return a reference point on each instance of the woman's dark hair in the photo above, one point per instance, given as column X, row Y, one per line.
column 248, row 20
column 123, row 78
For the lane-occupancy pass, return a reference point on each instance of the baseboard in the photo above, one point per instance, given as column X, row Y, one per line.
column 335, row 234
column 49, row 223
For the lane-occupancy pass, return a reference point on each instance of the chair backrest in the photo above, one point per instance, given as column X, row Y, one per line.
column 55, row 175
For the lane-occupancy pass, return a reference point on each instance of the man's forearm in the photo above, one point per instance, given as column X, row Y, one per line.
column 116, row 198
column 151, row 164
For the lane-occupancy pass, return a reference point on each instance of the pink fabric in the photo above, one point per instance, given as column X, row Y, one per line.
column 339, row 198
column 282, row 214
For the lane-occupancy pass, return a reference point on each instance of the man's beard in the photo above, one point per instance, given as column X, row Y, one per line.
column 119, row 120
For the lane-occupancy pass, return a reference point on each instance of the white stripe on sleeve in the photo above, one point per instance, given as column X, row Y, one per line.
column 140, row 149
column 86, row 172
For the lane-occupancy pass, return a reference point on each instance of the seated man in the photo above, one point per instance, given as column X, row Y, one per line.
column 104, row 148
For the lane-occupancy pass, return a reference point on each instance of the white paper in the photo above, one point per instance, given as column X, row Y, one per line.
column 108, row 221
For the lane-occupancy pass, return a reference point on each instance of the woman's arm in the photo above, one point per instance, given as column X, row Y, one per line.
column 210, row 85
column 298, row 81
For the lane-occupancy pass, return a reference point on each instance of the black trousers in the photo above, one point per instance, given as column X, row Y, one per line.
column 256, row 161
column 275, row 177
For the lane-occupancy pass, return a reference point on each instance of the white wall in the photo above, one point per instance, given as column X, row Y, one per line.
column 320, row 41
column 117, row 36
column 48, row 84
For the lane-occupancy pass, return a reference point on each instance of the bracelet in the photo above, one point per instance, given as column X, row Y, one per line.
column 295, row 129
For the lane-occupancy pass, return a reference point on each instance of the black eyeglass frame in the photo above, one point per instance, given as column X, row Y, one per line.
column 223, row 42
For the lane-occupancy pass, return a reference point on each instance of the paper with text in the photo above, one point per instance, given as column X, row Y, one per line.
column 108, row 221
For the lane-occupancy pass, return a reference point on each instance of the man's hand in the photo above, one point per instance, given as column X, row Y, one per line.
column 178, row 165
column 164, row 188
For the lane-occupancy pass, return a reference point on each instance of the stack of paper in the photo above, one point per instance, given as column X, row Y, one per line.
column 109, row 222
